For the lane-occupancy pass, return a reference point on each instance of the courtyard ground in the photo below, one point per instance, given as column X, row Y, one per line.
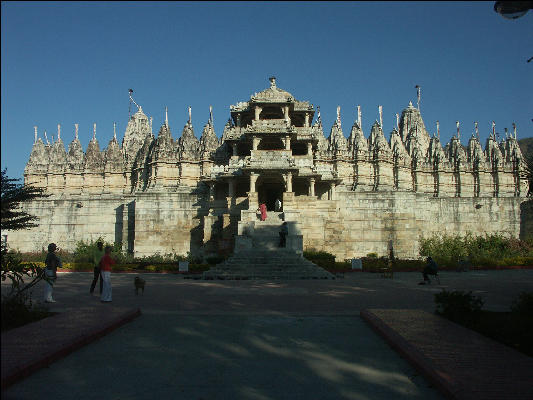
column 252, row 339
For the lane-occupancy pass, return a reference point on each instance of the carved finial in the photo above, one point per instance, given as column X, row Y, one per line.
column 476, row 129
column 46, row 138
column 58, row 132
column 94, row 131
column 76, row 131
column 514, row 130
column 506, row 133
column 166, row 116
column 397, row 122
column 272, row 80
column 211, row 115
column 318, row 117
column 339, row 116
column 359, row 116
column 115, row 130
column 493, row 129
column 380, row 109
column 190, row 115
column 418, row 96
column 35, row 134
column 458, row 133
column 438, row 130
column 410, row 103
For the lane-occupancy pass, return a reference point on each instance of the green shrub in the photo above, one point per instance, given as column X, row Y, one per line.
column 458, row 306
column 321, row 258
column 489, row 250
column 523, row 305
column 372, row 255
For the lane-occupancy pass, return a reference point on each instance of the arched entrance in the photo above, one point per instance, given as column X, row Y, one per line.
column 269, row 188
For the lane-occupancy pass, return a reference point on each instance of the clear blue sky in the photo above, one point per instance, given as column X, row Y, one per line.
column 73, row 62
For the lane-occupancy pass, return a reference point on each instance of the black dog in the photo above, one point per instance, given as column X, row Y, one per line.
column 139, row 284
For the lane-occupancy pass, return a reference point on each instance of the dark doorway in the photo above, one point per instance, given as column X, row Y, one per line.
column 269, row 189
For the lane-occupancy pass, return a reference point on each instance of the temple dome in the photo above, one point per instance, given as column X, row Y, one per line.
column 273, row 94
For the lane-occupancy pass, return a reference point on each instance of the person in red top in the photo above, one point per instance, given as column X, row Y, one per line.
column 263, row 209
column 105, row 267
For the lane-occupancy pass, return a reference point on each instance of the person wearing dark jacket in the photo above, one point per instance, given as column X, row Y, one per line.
column 430, row 269
column 52, row 262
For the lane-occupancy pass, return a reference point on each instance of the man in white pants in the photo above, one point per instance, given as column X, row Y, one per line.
column 52, row 262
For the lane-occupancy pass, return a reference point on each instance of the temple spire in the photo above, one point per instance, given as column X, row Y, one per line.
column 418, row 96
column 514, row 130
column 477, row 130
column 380, row 109
column 76, row 131
column 35, row 134
column 397, row 122
column 58, row 132
column 458, row 133
column 190, row 119
column 318, row 117
column 359, row 117
column 438, row 130
column 272, row 80
column 339, row 116
column 493, row 129
column 166, row 117
column 506, row 133
column 115, row 130
column 211, row 115
column 46, row 138
column 94, row 131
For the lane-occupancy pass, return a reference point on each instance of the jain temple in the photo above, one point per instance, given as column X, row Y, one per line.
column 349, row 193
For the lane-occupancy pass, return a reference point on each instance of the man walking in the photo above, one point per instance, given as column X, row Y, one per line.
column 98, row 253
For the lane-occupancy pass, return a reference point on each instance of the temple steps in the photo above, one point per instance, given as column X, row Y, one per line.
column 260, row 263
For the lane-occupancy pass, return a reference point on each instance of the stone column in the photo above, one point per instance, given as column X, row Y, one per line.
column 306, row 120
column 211, row 190
column 231, row 188
column 234, row 149
column 287, row 142
column 253, row 179
column 288, row 179
column 239, row 120
column 332, row 191
column 255, row 142
column 257, row 112
column 309, row 148
column 311, row 186
column 286, row 112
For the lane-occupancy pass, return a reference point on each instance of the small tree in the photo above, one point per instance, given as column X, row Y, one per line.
column 17, row 304
column 13, row 194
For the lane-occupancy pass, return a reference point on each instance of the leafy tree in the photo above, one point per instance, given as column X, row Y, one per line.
column 17, row 307
column 13, row 194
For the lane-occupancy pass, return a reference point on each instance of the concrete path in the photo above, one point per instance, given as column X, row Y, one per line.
column 251, row 339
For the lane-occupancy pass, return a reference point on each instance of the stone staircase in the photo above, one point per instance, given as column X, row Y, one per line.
column 266, row 260
column 267, row 264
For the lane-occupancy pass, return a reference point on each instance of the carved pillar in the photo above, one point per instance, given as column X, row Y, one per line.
column 211, row 191
column 287, row 142
column 286, row 112
column 255, row 142
column 288, row 179
column 253, row 179
column 309, row 148
column 306, row 120
column 257, row 112
column 331, row 192
column 234, row 149
column 239, row 120
column 311, row 186
column 231, row 188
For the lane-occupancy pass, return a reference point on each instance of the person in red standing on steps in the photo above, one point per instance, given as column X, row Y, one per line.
column 105, row 267
column 263, row 209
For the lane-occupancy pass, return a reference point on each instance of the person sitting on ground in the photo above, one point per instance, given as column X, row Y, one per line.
column 283, row 235
column 430, row 269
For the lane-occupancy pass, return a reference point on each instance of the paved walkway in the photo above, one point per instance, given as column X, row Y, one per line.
column 267, row 339
column 460, row 362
